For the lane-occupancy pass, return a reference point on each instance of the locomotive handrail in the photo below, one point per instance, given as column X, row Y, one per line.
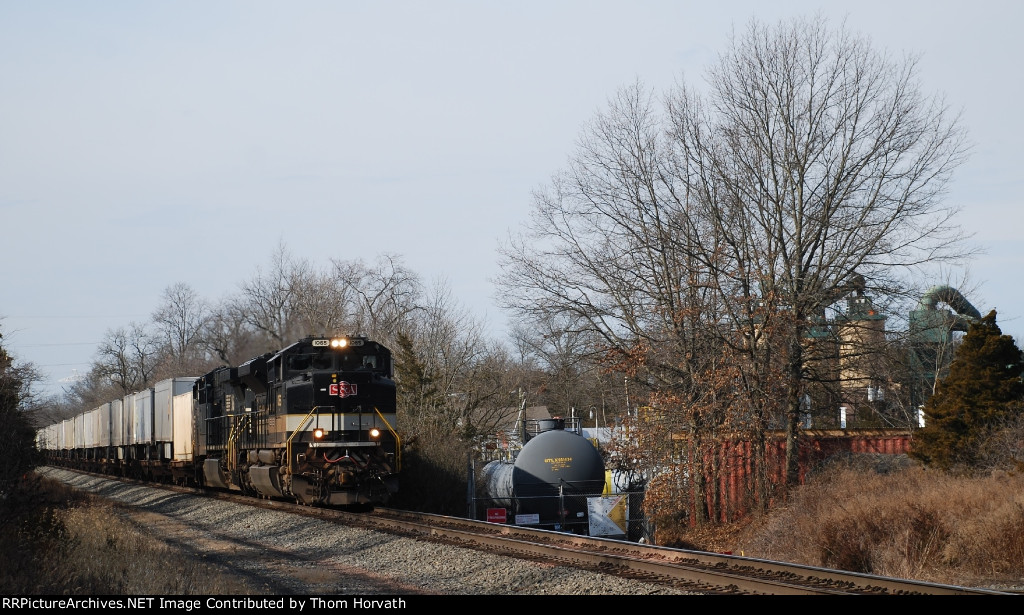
column 232, row 439
column 288, row 443
column 398, row 441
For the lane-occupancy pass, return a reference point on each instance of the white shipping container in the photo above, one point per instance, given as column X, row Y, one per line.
column 104, row 425
column 68, row 434
column 183, row 421
column 91, row 426
column 163, row 410
column 116, row 423
column 127, row 415
column 142, row 417
column 79, row 427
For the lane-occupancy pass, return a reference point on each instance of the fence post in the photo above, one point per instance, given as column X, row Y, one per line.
column 470, row 487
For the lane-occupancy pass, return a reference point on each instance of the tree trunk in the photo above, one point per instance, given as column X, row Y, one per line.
column 794, row 376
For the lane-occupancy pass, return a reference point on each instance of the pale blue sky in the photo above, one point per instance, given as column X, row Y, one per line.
column 148, row 143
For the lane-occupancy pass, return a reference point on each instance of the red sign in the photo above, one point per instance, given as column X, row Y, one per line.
column 342, row 389
column 497, row 515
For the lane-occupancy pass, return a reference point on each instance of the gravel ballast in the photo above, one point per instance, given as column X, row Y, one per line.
column 278, row 553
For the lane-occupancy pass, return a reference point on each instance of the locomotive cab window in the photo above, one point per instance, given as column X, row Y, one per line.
column 299, row 362
column 303, row 362
column 323, row 360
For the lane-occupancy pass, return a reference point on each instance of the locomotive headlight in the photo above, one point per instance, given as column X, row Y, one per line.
column 319, row 433
column 339, row 343
column 374, row 432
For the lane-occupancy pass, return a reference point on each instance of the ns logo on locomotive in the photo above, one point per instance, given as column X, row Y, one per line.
column 314, row 421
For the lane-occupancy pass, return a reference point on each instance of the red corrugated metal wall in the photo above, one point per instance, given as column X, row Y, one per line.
column 736, row 461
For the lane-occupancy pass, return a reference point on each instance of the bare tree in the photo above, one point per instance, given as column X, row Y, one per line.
column 571, row 364
column 88, row 392
column 811, row 166
column 269, row 298
column 324, row 303
column 818, row 160
column 488, row 391
column 180, row 321
column 444, row 363
column 126, row 358
column 606, row 257
column 114, row 361
column 227, row 335
column 388, row 293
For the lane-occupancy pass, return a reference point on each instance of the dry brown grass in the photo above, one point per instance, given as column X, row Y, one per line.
column 59, row 542
column 913, row 523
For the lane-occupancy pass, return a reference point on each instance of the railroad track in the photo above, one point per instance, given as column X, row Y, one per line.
column 696, row 571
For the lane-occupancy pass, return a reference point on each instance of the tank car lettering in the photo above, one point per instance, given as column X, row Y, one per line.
column 558, row 463
column 342, row 389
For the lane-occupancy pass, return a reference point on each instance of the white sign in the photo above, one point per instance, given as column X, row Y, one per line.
column 608, row 514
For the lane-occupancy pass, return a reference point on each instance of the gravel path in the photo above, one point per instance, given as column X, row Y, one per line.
column 286, row 554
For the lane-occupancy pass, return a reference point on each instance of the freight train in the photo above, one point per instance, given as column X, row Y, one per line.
column 314, row 422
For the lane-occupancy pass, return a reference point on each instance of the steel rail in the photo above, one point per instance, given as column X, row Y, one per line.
column 748, row 575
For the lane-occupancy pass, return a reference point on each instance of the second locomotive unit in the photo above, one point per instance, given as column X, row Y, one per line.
column 314, row 421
